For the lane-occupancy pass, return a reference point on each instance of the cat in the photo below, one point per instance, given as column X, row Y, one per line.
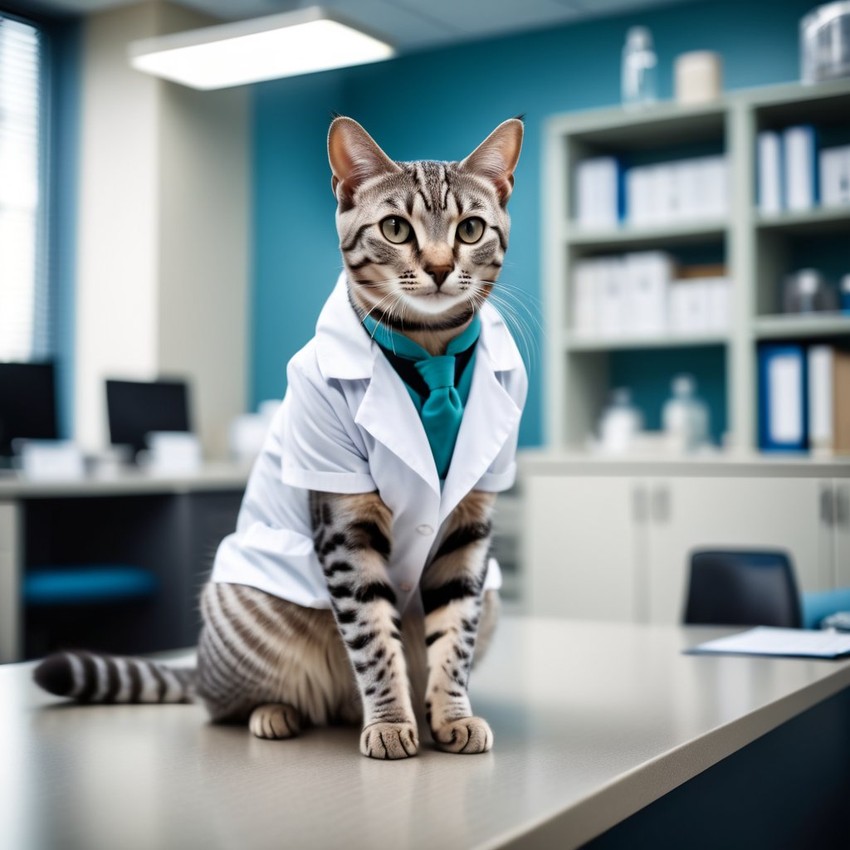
column 357, row 586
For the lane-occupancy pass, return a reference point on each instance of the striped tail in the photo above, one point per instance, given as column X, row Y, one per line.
column 86, row 677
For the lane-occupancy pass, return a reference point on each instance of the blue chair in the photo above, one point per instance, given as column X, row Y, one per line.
column 742, row 588
column 87, row 585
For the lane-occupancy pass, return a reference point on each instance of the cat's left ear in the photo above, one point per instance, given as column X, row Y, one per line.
column 496, row 157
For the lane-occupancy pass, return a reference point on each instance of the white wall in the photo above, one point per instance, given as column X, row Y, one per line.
column 163, row 230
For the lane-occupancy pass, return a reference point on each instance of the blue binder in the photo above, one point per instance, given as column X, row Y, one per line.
column 783, row 411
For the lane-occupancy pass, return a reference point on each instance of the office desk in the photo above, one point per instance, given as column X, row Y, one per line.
column 169, row 524
column 592, row 722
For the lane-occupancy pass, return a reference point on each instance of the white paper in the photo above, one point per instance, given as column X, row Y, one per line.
column 799, row 168
column 785, row 404
column 766, row 640
column 820, row 396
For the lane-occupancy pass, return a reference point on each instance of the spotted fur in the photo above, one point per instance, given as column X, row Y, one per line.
column 279, row 667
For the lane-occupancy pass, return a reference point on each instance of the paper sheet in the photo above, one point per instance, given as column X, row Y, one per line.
column 782, row 642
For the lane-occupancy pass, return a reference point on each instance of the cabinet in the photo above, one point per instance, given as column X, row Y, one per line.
column 588, row 522
column 624, row 532
column 757, row 250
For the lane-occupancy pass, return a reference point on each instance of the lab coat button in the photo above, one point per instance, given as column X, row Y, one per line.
column 424, row 530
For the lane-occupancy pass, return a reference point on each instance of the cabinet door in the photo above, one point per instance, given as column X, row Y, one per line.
column 697, row 513
column 579, row 544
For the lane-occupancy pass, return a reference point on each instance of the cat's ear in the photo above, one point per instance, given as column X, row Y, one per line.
column 496, row 157
column 354, row 157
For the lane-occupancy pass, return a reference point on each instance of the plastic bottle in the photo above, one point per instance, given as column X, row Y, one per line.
column 684, row 417
column 638, row 70
column 621, row 421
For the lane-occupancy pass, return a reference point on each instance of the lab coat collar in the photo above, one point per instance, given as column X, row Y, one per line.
column 345, row 351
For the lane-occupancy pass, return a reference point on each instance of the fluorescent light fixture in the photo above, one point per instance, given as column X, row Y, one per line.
column 267, row 48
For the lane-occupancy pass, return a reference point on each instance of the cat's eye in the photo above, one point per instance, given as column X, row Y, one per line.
column 396, row 229
column 470, row 230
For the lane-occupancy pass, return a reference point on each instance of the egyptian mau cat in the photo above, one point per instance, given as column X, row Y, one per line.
column 331, row 631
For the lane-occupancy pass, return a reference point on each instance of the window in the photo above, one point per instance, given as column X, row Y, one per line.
column 24, row 302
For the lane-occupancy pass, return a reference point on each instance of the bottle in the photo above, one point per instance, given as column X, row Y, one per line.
column 845, row 294
column 621, row 422
column 684, row 417
column 638, row 71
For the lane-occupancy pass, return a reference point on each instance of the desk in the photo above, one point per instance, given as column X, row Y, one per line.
column 170, row 524
column 592, row 722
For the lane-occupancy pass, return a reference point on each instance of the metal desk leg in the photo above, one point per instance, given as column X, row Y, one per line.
column 11, row 567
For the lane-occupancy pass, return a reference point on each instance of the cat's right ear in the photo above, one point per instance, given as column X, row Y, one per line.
column 354, row 157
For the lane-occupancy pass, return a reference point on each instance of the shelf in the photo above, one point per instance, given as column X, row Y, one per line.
column 644, row 237
column 799, row 327
column 579, row 344
column 818, row 220
column 620, row 129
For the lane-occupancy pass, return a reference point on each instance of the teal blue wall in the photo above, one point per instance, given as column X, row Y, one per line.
column 440, row 104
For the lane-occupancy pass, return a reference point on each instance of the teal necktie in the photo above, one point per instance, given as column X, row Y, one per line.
column 441, row 411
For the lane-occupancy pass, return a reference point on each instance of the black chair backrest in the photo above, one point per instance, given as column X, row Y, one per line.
column 742, row 588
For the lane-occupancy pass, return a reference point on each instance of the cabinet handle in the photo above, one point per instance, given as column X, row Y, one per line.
column 842, row 506
column 661, row 503
column 827, row 506
column 639, row 505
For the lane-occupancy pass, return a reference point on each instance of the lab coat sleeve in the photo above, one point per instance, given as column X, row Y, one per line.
column 320, row 447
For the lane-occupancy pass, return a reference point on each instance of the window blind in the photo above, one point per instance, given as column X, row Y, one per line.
column 25, row 320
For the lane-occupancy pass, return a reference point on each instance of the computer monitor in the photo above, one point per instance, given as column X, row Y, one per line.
column 135, row 408
column 27, row 403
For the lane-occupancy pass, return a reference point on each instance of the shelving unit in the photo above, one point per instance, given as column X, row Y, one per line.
column 757, row 250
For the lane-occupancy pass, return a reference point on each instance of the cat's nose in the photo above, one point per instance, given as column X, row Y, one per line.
column 439, row 273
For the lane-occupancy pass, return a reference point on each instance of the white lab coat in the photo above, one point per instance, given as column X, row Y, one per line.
column 348, row 425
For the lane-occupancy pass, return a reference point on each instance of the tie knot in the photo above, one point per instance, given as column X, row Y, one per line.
column 438, row 372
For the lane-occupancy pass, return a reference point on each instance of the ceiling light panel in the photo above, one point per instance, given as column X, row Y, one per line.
column 267, row 48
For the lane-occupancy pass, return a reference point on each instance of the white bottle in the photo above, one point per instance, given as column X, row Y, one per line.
column 685, row 418
column 621, row 422
column 638, row 70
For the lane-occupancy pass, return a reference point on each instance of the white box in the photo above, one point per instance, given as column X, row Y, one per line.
column 612, row 307
column 596, row 192
column 835, row 176
column 585, row 312
column 677, row 308
column 718, row 294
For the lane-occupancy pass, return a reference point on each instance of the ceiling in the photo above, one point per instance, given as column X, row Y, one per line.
column 409, row 24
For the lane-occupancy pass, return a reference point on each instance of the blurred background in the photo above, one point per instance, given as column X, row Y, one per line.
column 678, row 281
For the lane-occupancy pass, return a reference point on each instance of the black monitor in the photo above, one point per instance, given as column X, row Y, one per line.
column 135, row 408
column 27, row 403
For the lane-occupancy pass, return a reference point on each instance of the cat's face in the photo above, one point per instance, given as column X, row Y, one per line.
column 423, row 242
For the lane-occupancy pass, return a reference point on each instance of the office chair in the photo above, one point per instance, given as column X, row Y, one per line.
column 742, row 588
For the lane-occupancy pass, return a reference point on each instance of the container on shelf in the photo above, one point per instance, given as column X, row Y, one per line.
column 825, row 43
column 698, row 76
column 685, row 418
column 638, row 69
column 806, row 291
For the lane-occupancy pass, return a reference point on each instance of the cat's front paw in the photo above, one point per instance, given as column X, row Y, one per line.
column 466, row 735
column 389, row 740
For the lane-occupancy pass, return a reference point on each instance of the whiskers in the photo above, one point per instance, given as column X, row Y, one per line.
column 523, row 320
